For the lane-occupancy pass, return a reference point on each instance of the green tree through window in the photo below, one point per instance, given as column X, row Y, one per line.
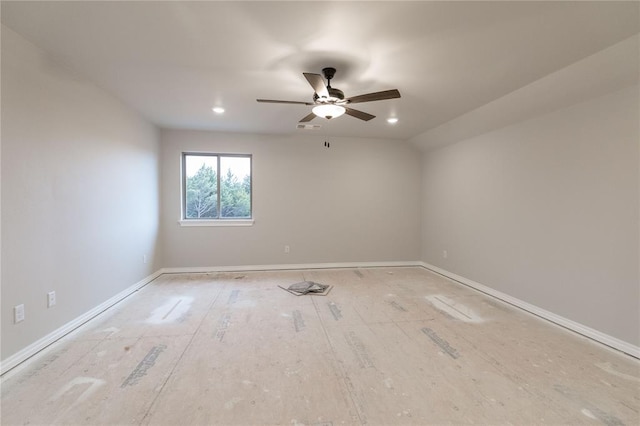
column 202, row 194
column 201, row 180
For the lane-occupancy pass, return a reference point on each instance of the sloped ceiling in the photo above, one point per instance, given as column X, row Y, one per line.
column 174, row 61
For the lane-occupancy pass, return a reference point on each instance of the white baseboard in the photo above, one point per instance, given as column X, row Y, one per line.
column 589, row 332
column 284, row 267
column 47, row 340
column 37, row 346
column 52, row 337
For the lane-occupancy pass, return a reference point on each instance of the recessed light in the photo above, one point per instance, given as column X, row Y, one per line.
column 218, row 110
column 392, row 120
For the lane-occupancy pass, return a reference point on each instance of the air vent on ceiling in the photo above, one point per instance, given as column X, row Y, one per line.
column 308, row 126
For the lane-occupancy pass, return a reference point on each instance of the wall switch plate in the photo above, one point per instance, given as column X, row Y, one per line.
column 18, row 313
column 287, row 249
column 51, row 299
column 445, row 254
column 144, row 258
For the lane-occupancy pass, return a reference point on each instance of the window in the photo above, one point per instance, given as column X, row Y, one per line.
column 216, row 186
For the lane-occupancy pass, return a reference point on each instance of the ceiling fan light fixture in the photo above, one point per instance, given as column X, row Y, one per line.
column 328, row 111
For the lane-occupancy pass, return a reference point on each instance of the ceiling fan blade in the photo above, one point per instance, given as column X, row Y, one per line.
column 359, row 114
column 307, row 118
column 273, row 101
column 316, row 81
column 377, row 96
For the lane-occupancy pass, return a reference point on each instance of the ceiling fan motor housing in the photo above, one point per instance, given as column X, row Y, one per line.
column 335, row 95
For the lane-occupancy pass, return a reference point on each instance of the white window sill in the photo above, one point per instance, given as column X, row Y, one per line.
column 216, row 222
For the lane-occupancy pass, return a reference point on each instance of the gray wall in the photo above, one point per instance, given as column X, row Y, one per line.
column 80, row 194
column 357, row 201
column 546, row 211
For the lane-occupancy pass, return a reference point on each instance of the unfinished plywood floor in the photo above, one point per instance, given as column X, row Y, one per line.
column 386, row 346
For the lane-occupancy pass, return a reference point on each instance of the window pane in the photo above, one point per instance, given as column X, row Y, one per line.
column 235, row 185
column 201, row 186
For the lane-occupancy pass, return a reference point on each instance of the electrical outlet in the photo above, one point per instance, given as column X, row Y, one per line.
column 287, row 249
column 51, row 299
column 18, row 313
column 445, row 254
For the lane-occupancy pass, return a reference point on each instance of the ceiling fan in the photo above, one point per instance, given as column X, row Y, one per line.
column 330, row 102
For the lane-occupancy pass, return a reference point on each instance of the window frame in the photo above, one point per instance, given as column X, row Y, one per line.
column 217, row 221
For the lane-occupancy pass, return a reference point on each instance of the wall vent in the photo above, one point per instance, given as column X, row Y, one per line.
column 308, row 126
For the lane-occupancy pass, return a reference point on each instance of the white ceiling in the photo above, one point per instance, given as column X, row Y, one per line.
column 173, row 61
